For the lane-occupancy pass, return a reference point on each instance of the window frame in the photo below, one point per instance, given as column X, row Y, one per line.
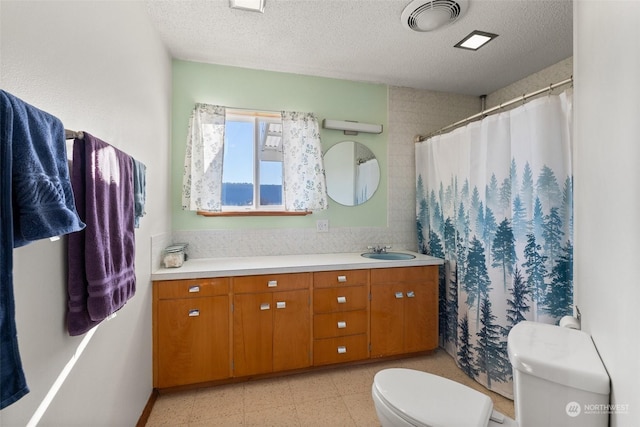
column 255, row 117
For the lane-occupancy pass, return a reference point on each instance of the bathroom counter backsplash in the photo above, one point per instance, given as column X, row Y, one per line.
column 198, row 268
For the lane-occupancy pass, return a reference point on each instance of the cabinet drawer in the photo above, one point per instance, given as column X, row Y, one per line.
column 192, row 288
column 338, row 350
column 329, row 300
column 339, row 324
column 271, row 282
column 327, row 279
column 405, row 274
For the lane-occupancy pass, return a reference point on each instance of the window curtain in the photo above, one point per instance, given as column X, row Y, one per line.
column 305, row 187
column 202, row 178
column 494, row 199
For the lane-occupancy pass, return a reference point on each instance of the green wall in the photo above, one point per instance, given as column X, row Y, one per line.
column 265, row 90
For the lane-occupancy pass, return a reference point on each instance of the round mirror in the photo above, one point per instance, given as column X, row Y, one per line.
column 352, row 173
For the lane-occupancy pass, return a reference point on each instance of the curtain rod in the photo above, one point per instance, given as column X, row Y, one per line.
column 483, row 113
column 249, row 113
column 254, row 113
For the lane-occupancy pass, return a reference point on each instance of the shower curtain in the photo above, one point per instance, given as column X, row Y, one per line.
column 494, row 199
column 367, row 177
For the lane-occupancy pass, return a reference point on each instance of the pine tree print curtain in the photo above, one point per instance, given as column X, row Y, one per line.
column 494, row 199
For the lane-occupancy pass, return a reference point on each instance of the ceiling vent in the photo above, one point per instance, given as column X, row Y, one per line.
column 424, row 15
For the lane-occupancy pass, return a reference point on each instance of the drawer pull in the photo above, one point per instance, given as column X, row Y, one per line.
column 272, row 283
column 342, row 279
column 194, row 312
column 193, row 289
column 342, row 300
column 342, row 325
column 265, row 306
column 399, row 295
column 411, row 294
column 281, row 304
column 342, row 349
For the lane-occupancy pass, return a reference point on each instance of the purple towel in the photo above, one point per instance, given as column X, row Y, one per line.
column 101, row 258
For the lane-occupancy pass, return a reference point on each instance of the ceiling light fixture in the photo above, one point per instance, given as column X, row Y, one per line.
column 475, row 40
column 252, row 5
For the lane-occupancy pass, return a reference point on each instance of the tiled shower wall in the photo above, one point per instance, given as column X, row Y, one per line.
column 411, row 112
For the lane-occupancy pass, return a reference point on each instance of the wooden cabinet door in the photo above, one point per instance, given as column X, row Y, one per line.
column 404, row 310
column 387, row 320
column 271, row 323
column 252, row 333
column 291, row 330
column 193, row 340
column 420, row 319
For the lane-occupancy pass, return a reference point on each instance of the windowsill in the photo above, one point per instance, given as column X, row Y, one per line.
column 255, row 213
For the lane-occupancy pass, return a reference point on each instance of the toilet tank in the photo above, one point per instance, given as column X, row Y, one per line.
column 558, row 377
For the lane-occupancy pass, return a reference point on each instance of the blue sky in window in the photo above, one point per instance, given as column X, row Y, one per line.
column 238, row 157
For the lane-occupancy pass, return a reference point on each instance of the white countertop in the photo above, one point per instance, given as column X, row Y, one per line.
column 199, row 268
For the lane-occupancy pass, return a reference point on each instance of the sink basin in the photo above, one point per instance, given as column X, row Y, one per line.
column 389, row 256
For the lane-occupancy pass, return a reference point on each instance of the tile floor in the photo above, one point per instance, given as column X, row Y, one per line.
column 335, row 397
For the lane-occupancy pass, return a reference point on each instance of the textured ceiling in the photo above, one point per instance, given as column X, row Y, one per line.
column 364, row 40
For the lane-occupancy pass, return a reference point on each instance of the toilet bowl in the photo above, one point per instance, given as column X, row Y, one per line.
column 405, row 397
column 553, row 369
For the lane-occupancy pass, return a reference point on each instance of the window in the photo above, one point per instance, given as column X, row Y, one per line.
column 252, row 172
column 250, row 154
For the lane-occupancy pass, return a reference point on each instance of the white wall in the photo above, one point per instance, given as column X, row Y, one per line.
column 99, row 67
column 607, row 191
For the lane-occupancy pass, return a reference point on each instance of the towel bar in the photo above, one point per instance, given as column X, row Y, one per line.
column 71, row 134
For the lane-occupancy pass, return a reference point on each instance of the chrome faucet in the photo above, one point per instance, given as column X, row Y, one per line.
column 378, row 249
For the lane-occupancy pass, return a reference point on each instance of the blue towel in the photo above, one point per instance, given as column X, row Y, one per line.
column 13, row 384
column 43, row 203
column 35, row 202
column 139, row 190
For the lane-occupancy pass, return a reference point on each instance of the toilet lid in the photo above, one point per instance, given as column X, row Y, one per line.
column 424, row 399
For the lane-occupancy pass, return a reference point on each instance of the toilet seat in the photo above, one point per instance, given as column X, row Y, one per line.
column 423, row 399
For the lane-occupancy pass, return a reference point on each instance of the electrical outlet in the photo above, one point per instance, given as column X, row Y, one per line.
column 322, row 226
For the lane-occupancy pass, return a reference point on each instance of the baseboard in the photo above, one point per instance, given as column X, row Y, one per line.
column 144, row 417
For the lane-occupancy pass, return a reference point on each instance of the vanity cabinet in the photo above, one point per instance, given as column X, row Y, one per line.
column 191, row 331
column 214, row 329
column 271, row 323
column 404, row 310
column 340, row 316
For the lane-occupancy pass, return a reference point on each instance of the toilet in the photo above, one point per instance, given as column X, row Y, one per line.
column 558, row 380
